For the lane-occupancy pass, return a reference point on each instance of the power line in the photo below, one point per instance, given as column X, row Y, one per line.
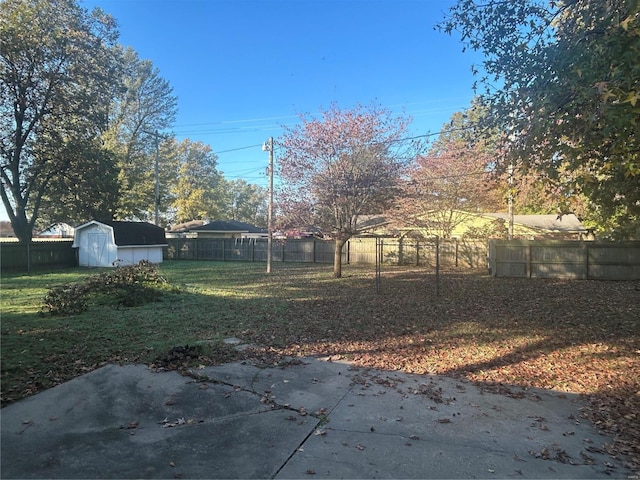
column 249, row 170
column 240, row 174
column 236, row 127
column 237, row 149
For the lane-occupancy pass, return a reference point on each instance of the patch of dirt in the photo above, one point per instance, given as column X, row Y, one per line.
column 184, row 357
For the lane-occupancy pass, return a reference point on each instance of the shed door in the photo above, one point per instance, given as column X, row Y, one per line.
column 96, row 251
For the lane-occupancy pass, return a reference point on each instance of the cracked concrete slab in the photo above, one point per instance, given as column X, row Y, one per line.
column 130, row 422
column 302, row 418
column 310, row 385
column 438, row 427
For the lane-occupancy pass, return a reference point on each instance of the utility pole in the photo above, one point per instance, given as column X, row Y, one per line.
column 268, row 146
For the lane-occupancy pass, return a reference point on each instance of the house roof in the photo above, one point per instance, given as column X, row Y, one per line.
column 567, row 223
column 227, row 226
column 57, row 229
column 368, row 222
column 186, row 226
column 132, row 233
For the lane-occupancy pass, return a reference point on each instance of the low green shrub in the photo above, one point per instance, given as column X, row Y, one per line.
column 125, row 286
column 66, row 300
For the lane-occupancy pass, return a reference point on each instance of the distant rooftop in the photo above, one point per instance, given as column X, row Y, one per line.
column 567, row 223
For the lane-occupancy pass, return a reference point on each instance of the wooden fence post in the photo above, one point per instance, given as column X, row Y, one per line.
column 29, row 257
column 378, row 256
column 437, row 266
column 585, row 252
column 348, row 252
column 456, row 252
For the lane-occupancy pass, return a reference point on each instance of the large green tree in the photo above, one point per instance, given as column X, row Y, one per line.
column 142, row 109
column 197, row 186
column 245, row 202
column 58, row 71
column 562, row 81
column 339, row 167
column 89, row 189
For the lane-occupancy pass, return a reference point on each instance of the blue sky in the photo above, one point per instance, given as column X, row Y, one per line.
column 241, row 69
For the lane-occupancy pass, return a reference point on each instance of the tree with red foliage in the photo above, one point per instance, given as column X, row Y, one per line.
column 450, row 184
column 339, row 167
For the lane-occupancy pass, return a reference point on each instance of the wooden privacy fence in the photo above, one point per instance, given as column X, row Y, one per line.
column 23, row 257
column 408, row 251
column 248, row 250
column 514, row 258
column 565, row 259
column 470, row 254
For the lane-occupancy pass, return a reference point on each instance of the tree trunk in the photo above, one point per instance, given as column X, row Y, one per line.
column 22, row 228
column 337, row 258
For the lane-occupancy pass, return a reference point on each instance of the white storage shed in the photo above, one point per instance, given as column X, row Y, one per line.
column 110, row 244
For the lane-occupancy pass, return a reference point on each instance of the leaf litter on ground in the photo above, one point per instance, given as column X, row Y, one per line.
column 504, row 334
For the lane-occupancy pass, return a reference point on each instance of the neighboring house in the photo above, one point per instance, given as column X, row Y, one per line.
column 369, row 224
column 6, row 230
column 228, row 229
column 298, row 233
column 492, row 225
column 531, row 227
column 110, row 244
column 181, row 230
column 366, row 225
column 59, row 230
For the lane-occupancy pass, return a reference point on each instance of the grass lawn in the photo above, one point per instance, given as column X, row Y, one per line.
column 570, row 336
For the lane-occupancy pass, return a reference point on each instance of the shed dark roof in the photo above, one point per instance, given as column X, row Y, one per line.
column 228, row 226
column 137, row 233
